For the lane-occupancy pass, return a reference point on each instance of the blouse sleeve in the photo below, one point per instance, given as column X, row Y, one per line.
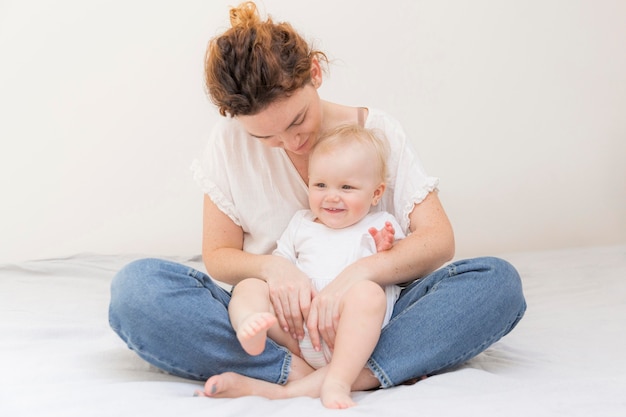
column 211, row 172
column 407, row 182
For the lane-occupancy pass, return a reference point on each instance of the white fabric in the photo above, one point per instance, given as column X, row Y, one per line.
column 322, row 253
column 260, row 190
column 59, row 358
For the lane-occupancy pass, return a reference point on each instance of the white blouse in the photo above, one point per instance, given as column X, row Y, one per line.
column 260, row 190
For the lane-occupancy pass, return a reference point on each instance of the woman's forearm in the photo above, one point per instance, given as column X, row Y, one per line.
column 425, row 249
column 231, row 265
column 412, row 258
column 222, row 249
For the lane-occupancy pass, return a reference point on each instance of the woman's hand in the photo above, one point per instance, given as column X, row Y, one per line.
column 325, row 309
column 291, row 292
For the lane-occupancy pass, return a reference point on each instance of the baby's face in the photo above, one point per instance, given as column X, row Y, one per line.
column 343, row 185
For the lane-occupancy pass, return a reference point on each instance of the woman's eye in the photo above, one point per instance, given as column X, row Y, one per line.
column 300, row 121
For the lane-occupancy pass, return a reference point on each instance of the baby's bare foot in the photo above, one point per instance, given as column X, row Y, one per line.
column 336, row 394
column 252, row 332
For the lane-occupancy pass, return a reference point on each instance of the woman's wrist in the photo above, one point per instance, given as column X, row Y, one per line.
column 271, row 265
column 265, row 267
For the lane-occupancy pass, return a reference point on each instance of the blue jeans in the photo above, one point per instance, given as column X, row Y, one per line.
column 176, row 318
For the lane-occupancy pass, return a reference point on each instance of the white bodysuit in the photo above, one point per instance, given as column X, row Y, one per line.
column 322, row 253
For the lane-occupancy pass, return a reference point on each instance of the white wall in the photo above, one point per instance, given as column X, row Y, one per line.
column 518, row 106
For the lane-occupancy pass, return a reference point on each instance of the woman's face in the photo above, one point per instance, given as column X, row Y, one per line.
column 292, row 123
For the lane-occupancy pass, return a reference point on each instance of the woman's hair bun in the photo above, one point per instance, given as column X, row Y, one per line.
column 244, row 15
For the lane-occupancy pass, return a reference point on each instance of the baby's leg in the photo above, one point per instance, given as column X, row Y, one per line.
column 362, row 312
column 252, row 317
column 250, row 314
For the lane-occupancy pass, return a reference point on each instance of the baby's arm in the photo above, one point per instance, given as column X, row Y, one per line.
column 384, row 237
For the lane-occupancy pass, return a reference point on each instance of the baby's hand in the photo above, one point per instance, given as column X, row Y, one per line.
column 384, row 237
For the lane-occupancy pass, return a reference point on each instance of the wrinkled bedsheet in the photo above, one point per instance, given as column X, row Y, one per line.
column 58, row 356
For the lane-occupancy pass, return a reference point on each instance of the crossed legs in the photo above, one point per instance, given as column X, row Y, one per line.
column 361, row 314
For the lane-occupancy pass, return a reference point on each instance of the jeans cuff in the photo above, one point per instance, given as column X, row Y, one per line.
column 284, row 372
column 382, row 377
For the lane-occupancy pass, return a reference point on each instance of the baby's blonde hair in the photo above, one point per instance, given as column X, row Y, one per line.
column 372, row 139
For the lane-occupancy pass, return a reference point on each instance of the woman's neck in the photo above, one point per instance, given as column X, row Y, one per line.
column 334, row 115
column 301, row 164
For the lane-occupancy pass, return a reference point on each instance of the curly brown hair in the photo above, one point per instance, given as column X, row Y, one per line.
column 256, row 62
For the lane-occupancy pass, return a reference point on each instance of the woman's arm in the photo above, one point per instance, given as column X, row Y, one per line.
column 429, row 245
column 226, row 261
column 222, row 247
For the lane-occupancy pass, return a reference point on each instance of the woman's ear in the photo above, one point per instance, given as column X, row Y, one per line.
column 378, row 193
column 316, row 73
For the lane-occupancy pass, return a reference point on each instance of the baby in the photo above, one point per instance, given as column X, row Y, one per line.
column 347, row 171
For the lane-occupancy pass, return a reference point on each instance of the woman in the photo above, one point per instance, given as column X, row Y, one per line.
column 264, row 77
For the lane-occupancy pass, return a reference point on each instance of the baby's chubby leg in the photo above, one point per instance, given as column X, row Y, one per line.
column 250, row 314
column 362, row 313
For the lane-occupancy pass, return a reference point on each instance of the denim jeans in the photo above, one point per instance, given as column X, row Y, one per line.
column 176, row 318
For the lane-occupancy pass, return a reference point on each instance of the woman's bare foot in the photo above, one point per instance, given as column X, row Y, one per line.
column 252, row 332
column 232, row 385
column 336, row 394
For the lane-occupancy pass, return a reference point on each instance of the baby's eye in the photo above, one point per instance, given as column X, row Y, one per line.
column 320, row 185
column 347, row 187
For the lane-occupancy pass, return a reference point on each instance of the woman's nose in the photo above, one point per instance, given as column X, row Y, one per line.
column 291, row 142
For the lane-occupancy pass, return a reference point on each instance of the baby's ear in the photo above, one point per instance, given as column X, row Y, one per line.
column 378, row 193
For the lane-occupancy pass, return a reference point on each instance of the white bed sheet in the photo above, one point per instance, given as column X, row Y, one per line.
column 58, row 356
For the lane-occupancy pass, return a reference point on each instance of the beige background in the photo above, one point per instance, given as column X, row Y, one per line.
column 518, row 106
